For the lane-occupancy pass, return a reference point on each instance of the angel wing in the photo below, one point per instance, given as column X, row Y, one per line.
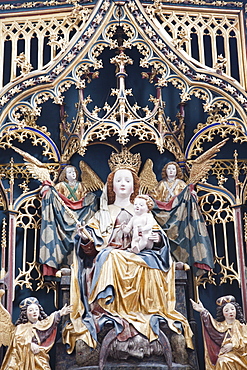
column 37, row 169
column 147, row 177
column 203, row 163
column 6, row 326
column 89, row 179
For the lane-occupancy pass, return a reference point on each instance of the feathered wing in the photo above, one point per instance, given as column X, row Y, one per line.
column 6, row 326
column 203, row 163
column 89, row 178
column 36, row 168
column 147, row 177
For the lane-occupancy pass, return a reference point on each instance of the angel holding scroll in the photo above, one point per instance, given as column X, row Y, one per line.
column 177, row 211
column 64, row 204
column 68, row 184
column 171, row 183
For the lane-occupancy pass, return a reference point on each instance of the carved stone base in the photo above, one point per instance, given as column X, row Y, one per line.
column 150, row 365
column 85, row 356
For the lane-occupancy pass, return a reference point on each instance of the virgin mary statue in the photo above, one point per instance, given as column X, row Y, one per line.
column 109, row 283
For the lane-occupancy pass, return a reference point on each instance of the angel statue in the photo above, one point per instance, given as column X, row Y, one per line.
column 177, row 211
column 107, row 277
column 64, row 204
column 225, row 339
column 171, row 183
column 68, row 185
column 32, row 336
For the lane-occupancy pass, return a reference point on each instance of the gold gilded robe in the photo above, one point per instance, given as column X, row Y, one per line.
column 139, row 291
column 165, row 190
column 217, row 334
column 72, row 193
column 19, row 355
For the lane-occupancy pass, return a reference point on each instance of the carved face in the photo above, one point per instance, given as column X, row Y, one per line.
column 171, row 171
column 229, row 312
column 140, row 206
column 123, row 183
column 33, row 313
column 70, row 174
column 137, row 347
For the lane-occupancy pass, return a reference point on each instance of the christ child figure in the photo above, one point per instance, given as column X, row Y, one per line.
column 141, row 224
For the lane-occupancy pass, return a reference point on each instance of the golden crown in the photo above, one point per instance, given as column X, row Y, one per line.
column 225, row 299
column 125, row 160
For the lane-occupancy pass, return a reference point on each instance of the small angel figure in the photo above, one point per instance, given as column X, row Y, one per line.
column 141, row 224
column 68, row 184
column 32, row 337
column 69, row 197
column 171, row 183
column 225, row 339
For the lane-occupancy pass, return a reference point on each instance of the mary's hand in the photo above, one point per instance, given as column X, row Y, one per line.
column 79, row 229
column 155, row 237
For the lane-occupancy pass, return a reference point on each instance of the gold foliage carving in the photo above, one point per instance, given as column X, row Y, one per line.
column 23, row 63
column 22, row 135
column 227, row 274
